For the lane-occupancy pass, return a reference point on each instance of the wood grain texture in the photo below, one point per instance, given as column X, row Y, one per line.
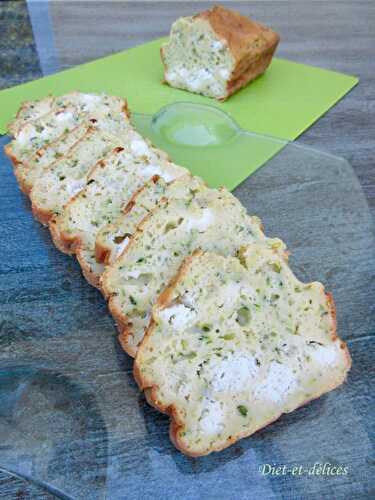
column 16, row 488
column 337, row 35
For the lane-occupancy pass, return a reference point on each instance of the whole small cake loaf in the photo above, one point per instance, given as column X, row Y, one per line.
column 234, row 343
column 217, row 52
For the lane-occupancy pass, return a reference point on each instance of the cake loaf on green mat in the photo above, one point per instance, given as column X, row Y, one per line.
column 217, row 52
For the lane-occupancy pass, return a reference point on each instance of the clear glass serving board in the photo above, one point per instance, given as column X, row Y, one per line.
column 71, row 417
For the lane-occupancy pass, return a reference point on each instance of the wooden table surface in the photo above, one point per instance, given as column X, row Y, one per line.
column 338, row 35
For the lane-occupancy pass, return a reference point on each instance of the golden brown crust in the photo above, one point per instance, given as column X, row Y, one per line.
column 138, row 231
column 25, row 188
column 164, row 81
column 253, row 71
column 164, row 298
column 8, row 152
column 102, row 253
column 65, row 245
column 23, row 185
column 121, row 340
column 92, row 278
column 163, row 301
column 128, row 207
column 175, row 426
column 151, row 389
column 62, row 240
column 251, row 44
column 41, row 215
column 123, row 322
column 241, row 33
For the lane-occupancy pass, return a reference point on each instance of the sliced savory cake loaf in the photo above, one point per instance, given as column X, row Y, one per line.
column 30, row 110
column 113, row 238
column 82, row 102
column 213, row 220
column 233, row 344
column 35, row 134
column 63, row 179
column 217, row 52
column 109, row 186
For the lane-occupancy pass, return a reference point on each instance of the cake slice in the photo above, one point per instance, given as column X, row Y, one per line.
column 213, row 220
column 217, row 52
column 59, row 182
column 233, row 344
column 30, row 170
column 109, row 186
column 113, row 238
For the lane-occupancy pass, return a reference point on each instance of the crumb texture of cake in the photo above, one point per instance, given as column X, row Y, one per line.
column 210, row 219
column 59, row 182
column 31, row 169
column 113, row 238
column 234, row 343
column 29, row 111
column 216, row 52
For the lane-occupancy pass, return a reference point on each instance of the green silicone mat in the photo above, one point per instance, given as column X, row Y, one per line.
column 282, row 103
